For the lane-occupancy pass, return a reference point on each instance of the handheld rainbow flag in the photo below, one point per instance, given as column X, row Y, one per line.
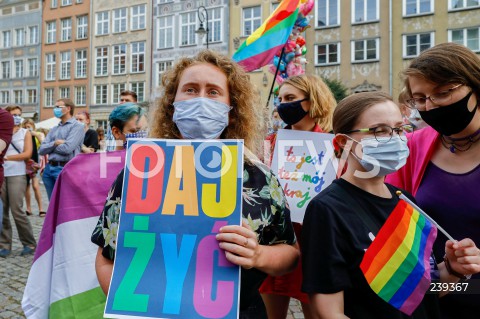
column 260, row 47
column 397, row 263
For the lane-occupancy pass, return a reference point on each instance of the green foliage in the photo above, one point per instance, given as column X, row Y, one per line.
column 338, row 89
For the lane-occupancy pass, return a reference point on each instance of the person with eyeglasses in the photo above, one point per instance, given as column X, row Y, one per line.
column 443, row 170
column 342, row 221
column 62, row 143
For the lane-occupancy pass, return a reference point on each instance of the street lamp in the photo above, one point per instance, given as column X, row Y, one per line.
column 202, row 16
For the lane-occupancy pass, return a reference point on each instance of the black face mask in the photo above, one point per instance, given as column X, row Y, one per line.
column 450, row 119
column 292, row 112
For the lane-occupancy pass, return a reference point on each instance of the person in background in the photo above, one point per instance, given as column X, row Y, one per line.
column 90, row 142
column 443, row 170
column 277, row 122
column 128, row 96
column 306, row 104
column 125, row 121
column 6, row 129
column 62, row 143
column 37, row 139
column 342, row 221
column 210, row 97
column 13, row 188
column 410, row 116
column 101, row 138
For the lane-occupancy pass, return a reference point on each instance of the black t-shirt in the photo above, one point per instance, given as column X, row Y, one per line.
column 334, row 240
column 91, row 139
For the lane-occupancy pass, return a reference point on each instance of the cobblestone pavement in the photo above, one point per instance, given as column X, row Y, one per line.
column 15, row 268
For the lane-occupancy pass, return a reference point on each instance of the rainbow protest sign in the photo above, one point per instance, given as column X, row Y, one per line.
column 305, row 164
column 176, row 196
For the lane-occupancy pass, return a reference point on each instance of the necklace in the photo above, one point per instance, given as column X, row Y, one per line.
column 461, row 144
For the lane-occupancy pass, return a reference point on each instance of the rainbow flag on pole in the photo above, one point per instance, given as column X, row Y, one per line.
column 396, row 265
column 260, row 47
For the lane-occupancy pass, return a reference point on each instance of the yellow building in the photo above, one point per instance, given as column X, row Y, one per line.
column 367, row 43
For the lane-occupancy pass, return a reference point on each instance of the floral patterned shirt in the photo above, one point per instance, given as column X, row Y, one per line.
column 265, row 210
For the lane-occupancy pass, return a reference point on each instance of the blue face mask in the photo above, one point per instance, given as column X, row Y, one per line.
column 383, row 158
column 57, row 111
column 138, row 134
column 17, row 120
column 201, row 118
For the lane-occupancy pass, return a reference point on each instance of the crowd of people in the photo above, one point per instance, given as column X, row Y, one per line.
column 424, row 145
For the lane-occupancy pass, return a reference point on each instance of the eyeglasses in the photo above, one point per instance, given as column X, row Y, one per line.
column 440, row 98
column 59, row 106
column 382, row 131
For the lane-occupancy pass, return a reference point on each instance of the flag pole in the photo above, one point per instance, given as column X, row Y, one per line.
column 405, row 198
column 275, row 76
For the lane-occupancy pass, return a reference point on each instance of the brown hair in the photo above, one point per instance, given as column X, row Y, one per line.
column 69, row 103
column 349, row 109
column 446, row 63
column 13, row 107
column 28, row 121
column 246, row 117
column 127, row 92
column 321, row 98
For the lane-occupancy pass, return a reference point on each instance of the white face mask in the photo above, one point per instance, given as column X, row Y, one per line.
column 382, row 158
column 201, row 118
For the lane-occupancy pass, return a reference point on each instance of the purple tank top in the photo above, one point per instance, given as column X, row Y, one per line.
column 453, row 201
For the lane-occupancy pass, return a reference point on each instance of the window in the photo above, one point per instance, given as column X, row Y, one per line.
column 187, row 28
column 66, row 2
column 414, row 7
column 80, row 95
column 139, row 88
column 328, row 54
column 116, row 89
column 79, row 1
column 161, row 68
column 252, row 19
column 101, row 94
column 119, row 58
column 31, row 96
column 364, row 10
column 18, row 96
column 138, row 17
column 51, row 32
column 50, row 66
column 81, row 64
column 215, row 25
column 33, row 34
column 165, row 32
column 32, row 67
column 120, row 20
column 66, row 62
column 18, row 69
column 19, row 37
column 413, row 44
column 461, row 4
column 82, row 27
column 66, row 25
column 64, row 92
column 49, row 93
column 102, row 61
column 103, row 124
column 365, row 50
column 103, row 21
column 54, row 4
column 5, row 97
column 467, row 37
column 7, row 42
column 6, row 70
column 275, row 6
column 138, row 57
column 328, row 13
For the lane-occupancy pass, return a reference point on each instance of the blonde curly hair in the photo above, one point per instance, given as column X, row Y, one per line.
column 322, row 101
column 246, row 117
